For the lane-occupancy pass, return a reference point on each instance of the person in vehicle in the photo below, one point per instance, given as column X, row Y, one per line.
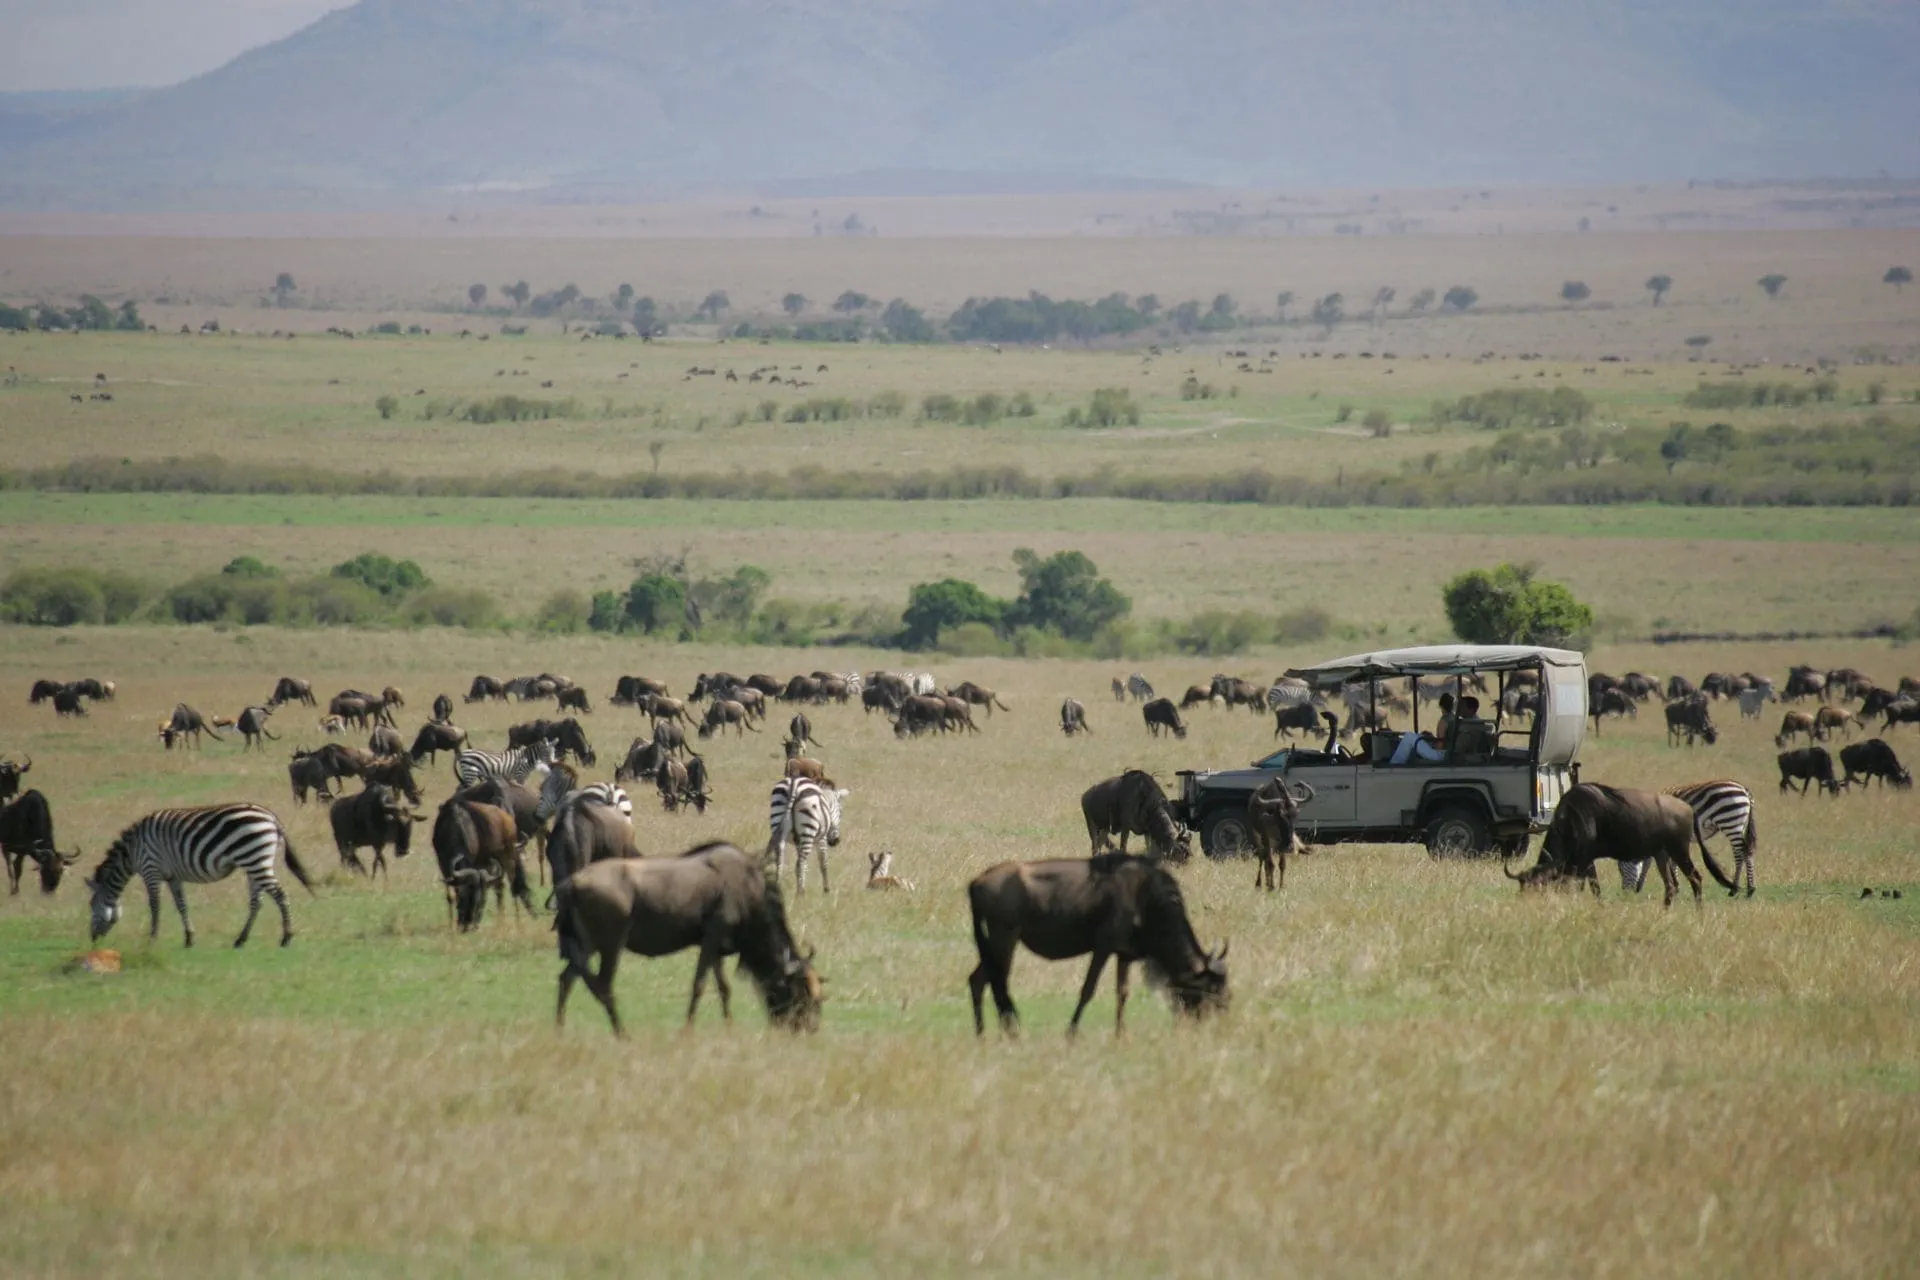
column 1425, row 746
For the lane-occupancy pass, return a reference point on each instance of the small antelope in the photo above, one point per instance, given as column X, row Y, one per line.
column 880, row 873
column 333, row 724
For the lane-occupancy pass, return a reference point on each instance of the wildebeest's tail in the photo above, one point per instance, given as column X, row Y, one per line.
column 293, row 863
column 1706, row 856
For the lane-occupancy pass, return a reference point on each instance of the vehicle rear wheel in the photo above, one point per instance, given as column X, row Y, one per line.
column 1225, row 834
column 1458, row 831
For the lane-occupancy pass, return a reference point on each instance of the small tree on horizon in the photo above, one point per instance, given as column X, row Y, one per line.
column 517, row 292
column 1282, row 302
column 1508, row 605
column 1420, row 301
column 851, row 302
column 1898, row 277
column 1658, row 286
column 713, row 304
column 477, row 296
column 646, row 316
column 1329, row 311
column 623, row 297
column 794, row 303
column 1772, row 283
column 1575, row 291
column 1459, row 298
column 282, row 286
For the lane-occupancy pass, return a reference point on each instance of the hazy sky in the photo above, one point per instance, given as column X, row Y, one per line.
column 100, row 44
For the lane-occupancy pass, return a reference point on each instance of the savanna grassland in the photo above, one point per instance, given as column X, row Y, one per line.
column 1422, row 1070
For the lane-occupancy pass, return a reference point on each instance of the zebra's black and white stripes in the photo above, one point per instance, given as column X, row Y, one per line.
column 473, row 767
column 1721, row 807
column 175, row 847
column 559, row 791
column 808, row 813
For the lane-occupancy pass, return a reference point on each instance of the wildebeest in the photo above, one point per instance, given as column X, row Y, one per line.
column 1827, row 719
column 660, row 707
column 699, row 787
column 800, row 733
column 1679, row 687
column 713, row 897
column 669, row 736
column 567, row 737
column 1902, row 710
column 291, row 689
column 309, row 773
column 1299, row 715
column 394, row 771
column 252, row 724
column 1873, row 759
column 1119, row 689
column 1162, row 714
column 43, row 690
column 1117, row 907
column 800, row 689
column 1794, row 724
column 1690, row 718
column 339, row 760
column 485, row 687
column 442, row 709
column 1073, row 717
column 977, row 695
column 1132, row 803
column 1596, row 821
column 375, row 818
column 435, row 738
column 392, row 697
column 670, row 780
column 186, row 724
column 958, row 714
column 477, row 845
column 753, row 700
column 26, row 831
column 1640, row 687
column 384, row 741
column 629, row 689
column 1804, row 682
column 723, row 712
column 574, row 699
column 585, row 832
column 918, row 713
column 1272, row 812
column 66, row 702
column 10, row 776
column 1197, row 695
column 767, row 685
column 1807, row 765
column 1236, row 692
column 523, row 802
column 643, row 757
column 1612, row 701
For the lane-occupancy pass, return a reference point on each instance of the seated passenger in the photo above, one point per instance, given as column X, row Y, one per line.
column 1414, row 745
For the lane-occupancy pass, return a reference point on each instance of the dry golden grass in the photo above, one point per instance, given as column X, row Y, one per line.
column 1422, row 1072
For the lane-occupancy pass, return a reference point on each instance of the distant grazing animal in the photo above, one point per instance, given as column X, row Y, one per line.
column 628, row 690
column 1679, row 687
column 1197, row 695
column 67, row 702
column 977, row 695
column 1804, row 682
column 442, row 709
column 1828, row 719
column 574, row 699
column 1162, row 714
column 724, row 712
column 699, row 787
column 513, row 765
column 1273, row 811
column 880, row 873
column 43, row 690
column 1288, row 691
column 1235, row 692
column 394, row 771
column 1794, row 724
column 99, row 691
column 917, row 714
column 957, row 713
column 1594, row 821
column 807, row 814
column 1641, row 687
column 10, row 772
column 1721, row 806
column 26, row 831
column 375, row 818
column 1297, row 715
column 1138, row 689
column 713, row 897
column 669, row 736
column 392, row 697
column 252, row 724
column 485, row 687
column 521, row 801
column 176, row 847
column 1807, row 765
column 1691, row 719
column 590, row 824
column 1873, row 759
column 753, row 700
column 1753, row 702
column 434, row 738
column 385, row 742
column 876, row 698
column 670, row 780
column 1114, row 906
column 1132, row 803
column 800, row 732
column 1902, row 711
column 478, row 847
column 1714, row 684
column 1611, row 702
column 186, row 725
column 806, row 767
column 1073, row 717
column 309, row 773
column 661, row 707
column 643, row 758
column 801, row 689
column 1119, row 689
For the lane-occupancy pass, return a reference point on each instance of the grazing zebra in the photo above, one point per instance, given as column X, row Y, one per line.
column 1138, row 687
column 177, row 846
column 512, row 765
column 1722, row 806
column 803, row 810
column 854, row 683
column 561, row 790
column 1289, row 691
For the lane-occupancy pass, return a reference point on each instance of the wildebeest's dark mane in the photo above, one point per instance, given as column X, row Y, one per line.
column 1165, row 932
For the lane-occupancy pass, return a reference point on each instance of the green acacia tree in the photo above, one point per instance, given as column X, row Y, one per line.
column 1508, row 605
column 656, row 603
column 384, row 574
column 1064, row 592
column 933, row 607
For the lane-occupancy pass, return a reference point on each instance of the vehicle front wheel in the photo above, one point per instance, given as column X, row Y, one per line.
column 1458, row 831
column 1225, row 834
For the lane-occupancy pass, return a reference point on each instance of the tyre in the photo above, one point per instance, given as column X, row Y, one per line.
column 1458, row 831
column 1225, row 834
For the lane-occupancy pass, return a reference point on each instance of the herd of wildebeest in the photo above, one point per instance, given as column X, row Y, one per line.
column 606, row 898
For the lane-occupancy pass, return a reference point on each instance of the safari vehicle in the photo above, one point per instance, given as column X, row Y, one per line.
column 1497, row 782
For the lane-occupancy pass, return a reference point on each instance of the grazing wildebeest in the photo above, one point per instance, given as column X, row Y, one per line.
column 435, row 738
column 568, row 738
column 1272, row 812
column 1133, row 804
column 630, row 689
column 713, row 897
column 1827, row 719
column 574, row 699
column 1794, row 724
column 1804, row 682
column 1197, row 695
column 374, row 819
column 800, row 689
column 670, row 780
column 43, row 690
column 1299, row 715
column 918, row 713
column 1596, row 821
column 660, row 707
column 766, row 685
column 10, row 776
column 1073, row 717
column 442, row 709
column 385, row 742
column 699, row 787
column 186, row 724
column 523, row 802
column 26, row 831
column 1902, row 710
column 291, row 689
column 478, row 845
column 669, row 736
column 1807, row 765
column 1714, row 684
column 1638, row 686
column 1114, row 906
column 1873, row 759
column 723, row 712
column 753, row 700
column 309, row 773
column 1679, row 687
column 978, row 695
column 957, row 714
column 1692, row 719
column 394, row 771
column 484, row 687
column 800, row 733
column 340, row 760
column 585, row 832
column 1613, row 701
column 392, row 697
column 1162, row 714
column 67, row 702
column 643, row 757
column 1236, row 692
column 252, row 724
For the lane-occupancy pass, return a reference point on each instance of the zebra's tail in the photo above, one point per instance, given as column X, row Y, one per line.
column 782, row 830
column 293, row 864
column 1706, row 856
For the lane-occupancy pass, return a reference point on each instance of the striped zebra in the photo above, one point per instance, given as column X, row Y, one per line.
column 1138, row 687
column 1724, row 807
column 561, row 789
column 1289, row 691
column 804, row 811
column 855, row 683
column 515, row 764
column 199, row 846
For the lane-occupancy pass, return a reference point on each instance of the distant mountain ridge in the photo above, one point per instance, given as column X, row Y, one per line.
column 666, row 96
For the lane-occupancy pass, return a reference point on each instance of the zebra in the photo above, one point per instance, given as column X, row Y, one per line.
column 1289, row 692
column 855, row 683
column 560, row 791
column 512, row 765
column 803, row 810
column 202, row 845
column 1721, row 806
column 1138, row 687
column 921, row 684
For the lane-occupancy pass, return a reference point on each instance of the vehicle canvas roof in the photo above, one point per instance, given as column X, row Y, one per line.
column 1437, row 660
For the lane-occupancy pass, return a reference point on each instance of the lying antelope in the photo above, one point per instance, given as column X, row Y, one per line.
column 880, row 873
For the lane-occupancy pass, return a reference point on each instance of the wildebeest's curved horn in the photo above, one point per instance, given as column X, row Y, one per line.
column 1301, row 792
column 1508, row 874
column 68, row 859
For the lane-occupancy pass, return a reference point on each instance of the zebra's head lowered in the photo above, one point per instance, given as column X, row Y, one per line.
column 560, row 780
column 104, row 887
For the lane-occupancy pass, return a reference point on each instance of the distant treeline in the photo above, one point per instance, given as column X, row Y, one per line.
column 1871, row 463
